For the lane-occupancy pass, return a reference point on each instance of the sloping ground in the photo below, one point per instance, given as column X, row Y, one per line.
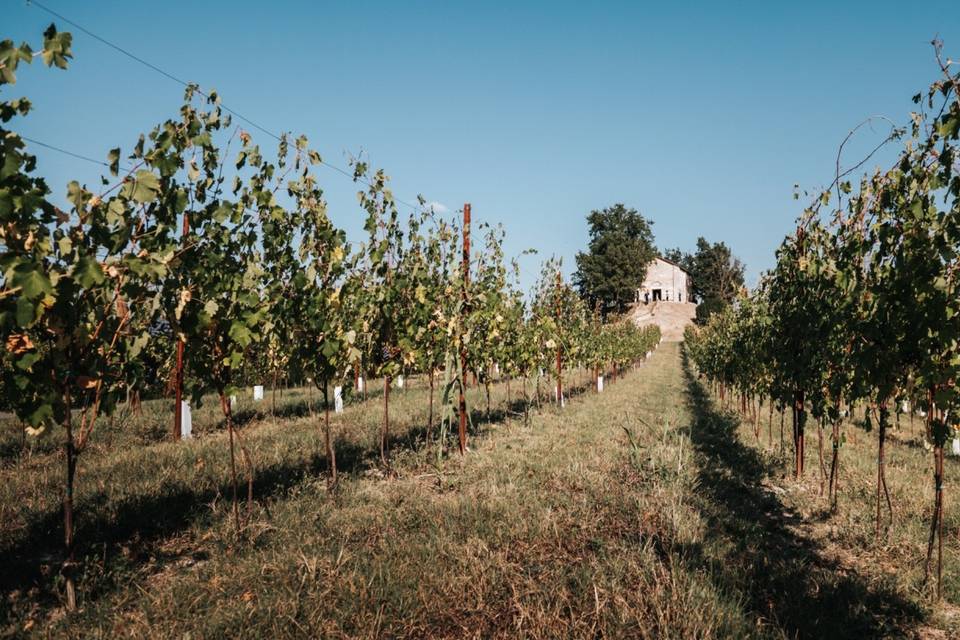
column 671, row 317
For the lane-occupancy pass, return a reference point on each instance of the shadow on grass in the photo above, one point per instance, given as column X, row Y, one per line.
column 14, row 445
column 782, row 575
column 119, row 537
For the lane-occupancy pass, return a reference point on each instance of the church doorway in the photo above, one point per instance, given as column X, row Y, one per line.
column 657, row 294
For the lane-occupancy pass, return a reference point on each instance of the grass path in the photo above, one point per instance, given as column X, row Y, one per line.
column 640, row 512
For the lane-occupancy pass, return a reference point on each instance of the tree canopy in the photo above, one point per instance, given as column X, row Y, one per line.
column 620, row 249
column 716, row 275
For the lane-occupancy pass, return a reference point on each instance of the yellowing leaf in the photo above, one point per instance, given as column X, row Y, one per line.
column 19, row 343
column 86, row 382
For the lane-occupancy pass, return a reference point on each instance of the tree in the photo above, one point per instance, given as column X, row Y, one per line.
column 74, row 291
column 431, row 264
column 620, row 249
column 561, row 315
column 678, row 257
column 863, row 303
column 307, row 260
column 216, row 292
column 716, row 274
column 485, row 321
column 386, row 296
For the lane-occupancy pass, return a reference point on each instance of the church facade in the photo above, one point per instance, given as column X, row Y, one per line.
column 666, row 281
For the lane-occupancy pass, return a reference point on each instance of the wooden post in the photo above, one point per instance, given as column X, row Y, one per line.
column 178, row 408
column 463, row 346
column 559, row 358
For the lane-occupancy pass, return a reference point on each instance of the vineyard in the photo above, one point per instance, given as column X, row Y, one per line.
column 857, row 325
column 199, row 245
column 221, row 417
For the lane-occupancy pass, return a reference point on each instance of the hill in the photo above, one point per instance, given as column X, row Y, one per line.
column 672, row 317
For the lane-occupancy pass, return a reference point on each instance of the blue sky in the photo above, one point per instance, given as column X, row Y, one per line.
column 701, row 116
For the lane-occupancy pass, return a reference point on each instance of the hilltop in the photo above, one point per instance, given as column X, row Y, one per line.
column 671, row 317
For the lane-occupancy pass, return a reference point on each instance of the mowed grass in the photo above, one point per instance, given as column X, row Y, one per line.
column 639, row 512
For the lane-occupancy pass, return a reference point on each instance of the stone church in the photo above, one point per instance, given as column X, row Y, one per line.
column 665, row 281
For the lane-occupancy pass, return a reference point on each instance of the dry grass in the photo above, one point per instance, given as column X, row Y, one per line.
column 635, row 513
column 895, row 560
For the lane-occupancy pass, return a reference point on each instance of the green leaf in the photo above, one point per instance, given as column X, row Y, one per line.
column 115, row 211
column 33, row 281
column 180, row 201
column 6, row 203
column 240, row 334
column 27, row 360
column 330, row 348
column 56, row 47
column 223, row 212
column 144, row 187
column 76, row 194
column 87, row 272
column 26, row 311
column 41, row 414
column 114, row 159
column 138, row 344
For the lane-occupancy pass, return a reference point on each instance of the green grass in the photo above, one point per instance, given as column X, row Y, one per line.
column 640, row 512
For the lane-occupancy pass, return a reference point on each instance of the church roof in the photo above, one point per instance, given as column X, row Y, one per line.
column 671, row 262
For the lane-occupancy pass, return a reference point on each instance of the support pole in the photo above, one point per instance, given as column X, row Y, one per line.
column 178, row 407
column 463, row 346
column 559, row 357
